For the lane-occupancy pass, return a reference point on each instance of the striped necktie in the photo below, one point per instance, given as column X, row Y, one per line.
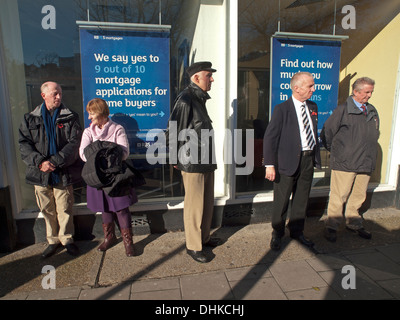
column 307, row 128
column 364, row 109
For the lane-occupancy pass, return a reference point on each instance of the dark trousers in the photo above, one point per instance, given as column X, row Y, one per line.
column 299, row 185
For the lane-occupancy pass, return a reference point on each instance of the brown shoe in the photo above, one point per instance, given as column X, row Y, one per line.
column 109, row 237
column 128, row 242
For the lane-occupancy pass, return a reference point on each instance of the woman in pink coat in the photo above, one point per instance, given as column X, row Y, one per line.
column 112, row 208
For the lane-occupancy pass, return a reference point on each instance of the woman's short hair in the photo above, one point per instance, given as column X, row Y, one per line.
column 98, row 106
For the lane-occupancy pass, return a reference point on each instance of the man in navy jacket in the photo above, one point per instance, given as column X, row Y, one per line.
column 290, row 153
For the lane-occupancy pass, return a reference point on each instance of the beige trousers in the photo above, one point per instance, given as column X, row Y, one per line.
column 348, row 188
column 56, row 203
column 198, row 208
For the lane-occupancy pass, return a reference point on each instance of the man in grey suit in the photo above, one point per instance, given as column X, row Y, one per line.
column 291, row 151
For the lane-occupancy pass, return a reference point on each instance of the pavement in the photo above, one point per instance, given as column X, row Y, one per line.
column 242, row 268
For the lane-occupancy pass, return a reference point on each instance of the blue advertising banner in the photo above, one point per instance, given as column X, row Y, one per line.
column 319, row 57
column 130, row 70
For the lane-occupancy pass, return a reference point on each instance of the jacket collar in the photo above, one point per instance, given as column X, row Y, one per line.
column 351, row 106
column 198, row 92
column 311, row 106
column 64, row 111
column 353, row 109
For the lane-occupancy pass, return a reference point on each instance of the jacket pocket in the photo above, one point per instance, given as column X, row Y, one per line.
column 35, row 131
column 35, row 176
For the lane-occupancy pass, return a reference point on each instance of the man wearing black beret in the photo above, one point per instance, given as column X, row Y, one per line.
column 196, row 162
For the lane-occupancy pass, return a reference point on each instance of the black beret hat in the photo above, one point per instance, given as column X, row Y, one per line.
column 199, row 66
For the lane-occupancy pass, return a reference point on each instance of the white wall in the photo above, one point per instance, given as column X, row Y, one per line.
column 209, row 44
column 394, row 146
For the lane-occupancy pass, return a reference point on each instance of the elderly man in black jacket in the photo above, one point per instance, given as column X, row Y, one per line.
column 291, row 152
column 49, row 139
column 351, row 135
column 195, row 158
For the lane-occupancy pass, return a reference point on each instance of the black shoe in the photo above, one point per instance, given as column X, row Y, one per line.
column 330, row 234
column 197, row 256
column 72, row 249
column 303, row 240
column 50, row 250
column 275, row 243
column 213, row 242
column 361, row 232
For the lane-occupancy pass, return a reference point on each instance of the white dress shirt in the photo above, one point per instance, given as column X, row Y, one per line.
column 297, row 106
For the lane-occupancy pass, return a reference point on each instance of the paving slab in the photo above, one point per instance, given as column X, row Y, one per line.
column 257, row 289
column 392, row 251
column 325, row 262
column 207, row 286
column 171, row 294
column 391, row 286
column 155, row 285
column 376, row 265
column 117, row 292
column 69, row 293
column 296, row 275
column 365, row 289
column 320, row 293
column 245, row 273
column 157, row 289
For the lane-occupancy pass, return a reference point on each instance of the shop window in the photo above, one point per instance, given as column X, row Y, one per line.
column 258, row 20
column 54, row 54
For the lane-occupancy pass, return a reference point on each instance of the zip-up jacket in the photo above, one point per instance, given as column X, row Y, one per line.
column 191, row 116
column 34, row 146
column 352, row 138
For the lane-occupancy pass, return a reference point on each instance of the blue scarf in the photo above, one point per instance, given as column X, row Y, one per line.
column 50, row 127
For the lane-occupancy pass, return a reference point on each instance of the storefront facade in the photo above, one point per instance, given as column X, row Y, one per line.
column 39, row 41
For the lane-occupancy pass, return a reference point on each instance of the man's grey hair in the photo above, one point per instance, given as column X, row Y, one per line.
column 298, row 78
column 43, row 87
column 358, row 85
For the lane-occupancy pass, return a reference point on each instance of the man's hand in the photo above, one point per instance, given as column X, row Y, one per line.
column 270, row 173
column 47, row 166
